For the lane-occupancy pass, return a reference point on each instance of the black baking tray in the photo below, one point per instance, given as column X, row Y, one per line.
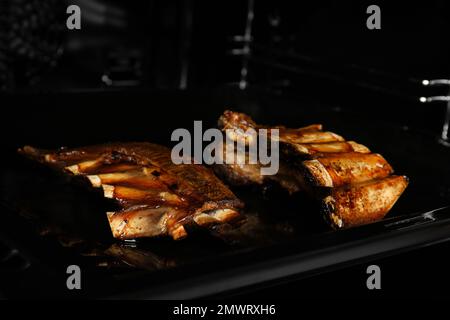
column 49, row 223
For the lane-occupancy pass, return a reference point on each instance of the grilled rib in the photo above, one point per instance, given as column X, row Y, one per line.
column 354, row 185
column 156, row 196
column 362, row 203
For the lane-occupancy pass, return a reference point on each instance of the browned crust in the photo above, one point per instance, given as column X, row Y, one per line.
column 363, row 203
column 143, row 174
column 319, row 163
column 346, row 168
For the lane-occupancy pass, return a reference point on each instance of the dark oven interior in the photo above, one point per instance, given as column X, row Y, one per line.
column 139, row 85
column 71, row 221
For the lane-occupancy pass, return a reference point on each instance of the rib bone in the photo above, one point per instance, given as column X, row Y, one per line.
column 156, row 196
column 355, row 185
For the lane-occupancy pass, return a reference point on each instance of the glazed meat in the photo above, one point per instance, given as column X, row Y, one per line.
column 354, row 185
column 357, row 204
column 155, row 196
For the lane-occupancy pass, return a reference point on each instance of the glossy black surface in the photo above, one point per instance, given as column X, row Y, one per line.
column 285, row 237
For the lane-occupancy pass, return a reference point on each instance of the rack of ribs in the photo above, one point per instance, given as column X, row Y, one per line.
column 353, row 185
column 155, row 196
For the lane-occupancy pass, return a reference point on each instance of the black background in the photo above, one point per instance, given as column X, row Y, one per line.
column 329, row 36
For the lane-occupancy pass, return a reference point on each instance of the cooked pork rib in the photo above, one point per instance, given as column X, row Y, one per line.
column 156, row 196
column 335, row 170
column 362, row 203
column 354, row 185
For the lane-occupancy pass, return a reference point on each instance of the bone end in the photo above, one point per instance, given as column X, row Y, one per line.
column 73, row 169
column 358, row 147
column 178, row 233
column 318, row 174
column 95, row 181
column 108, row 191
column 215, row 217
